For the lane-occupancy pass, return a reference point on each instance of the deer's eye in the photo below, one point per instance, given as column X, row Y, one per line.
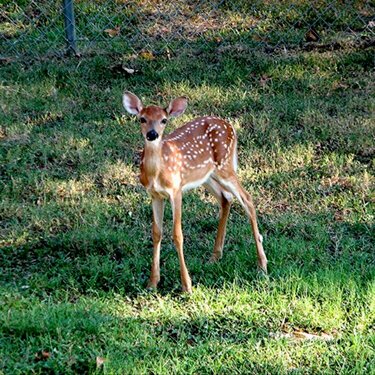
column 164, row 121
column 143, row 120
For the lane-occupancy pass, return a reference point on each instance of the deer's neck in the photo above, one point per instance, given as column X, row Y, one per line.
column 152, row 159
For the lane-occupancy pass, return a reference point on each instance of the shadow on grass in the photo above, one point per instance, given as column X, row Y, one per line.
column 75, row 335
column 219, row 329
column 117, row 259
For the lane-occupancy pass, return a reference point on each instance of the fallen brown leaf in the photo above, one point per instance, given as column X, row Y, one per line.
column 342, row 182
column 100, row 361
column 339, row 85
column 120, row 68
column 340, row 215
column 312, row 35
column 42, row 355
column 17, row 138
column 264, row 79
column 147, row 55
column 258, row 38
column 113, row 32
column 6, row 60
column 301, row 335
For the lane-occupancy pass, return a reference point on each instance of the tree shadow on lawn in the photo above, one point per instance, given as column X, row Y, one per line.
column 117, row 259
column 72, row 336
column 80, row 306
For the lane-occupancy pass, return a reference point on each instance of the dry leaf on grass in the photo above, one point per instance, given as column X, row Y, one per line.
column 100, row 361
column 312, row 35
column 342, row 182
column 121, row 69
column 301, row 335
column 113, row 32
column 258, row 38
column 264, row 79
column 16, row 138
column 339, row 85
column 147, row 55
column 42, row 355
column 6, row 60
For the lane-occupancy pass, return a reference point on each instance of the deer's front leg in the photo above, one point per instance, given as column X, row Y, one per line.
column 157, row 231
column 176, row 202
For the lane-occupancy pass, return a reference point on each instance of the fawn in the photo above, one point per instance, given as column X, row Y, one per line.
column 201, row 152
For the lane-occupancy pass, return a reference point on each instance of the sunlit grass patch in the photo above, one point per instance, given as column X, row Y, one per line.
column 75, row 232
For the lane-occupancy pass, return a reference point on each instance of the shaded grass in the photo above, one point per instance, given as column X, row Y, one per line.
column 75, row 224
column 34, row 29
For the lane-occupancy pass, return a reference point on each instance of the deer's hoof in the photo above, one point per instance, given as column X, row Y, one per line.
column 262, row 271
column 214, row 258
column 187, row 288
column 153, row 285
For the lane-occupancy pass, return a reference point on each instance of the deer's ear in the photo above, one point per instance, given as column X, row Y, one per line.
column 132, row 103
column 177, row 106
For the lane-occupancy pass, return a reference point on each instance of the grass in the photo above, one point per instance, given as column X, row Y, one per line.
column 34, row 28
column 76, row 225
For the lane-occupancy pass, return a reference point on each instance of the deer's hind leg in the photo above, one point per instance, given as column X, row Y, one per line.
column 234, row 186
column 224, row 198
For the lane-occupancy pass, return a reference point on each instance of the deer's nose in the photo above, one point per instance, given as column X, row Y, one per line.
column 152, row 135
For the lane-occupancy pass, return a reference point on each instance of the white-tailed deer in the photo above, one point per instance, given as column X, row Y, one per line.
column 203, row 151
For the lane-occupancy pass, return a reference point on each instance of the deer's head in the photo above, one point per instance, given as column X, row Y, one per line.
column 153, row 118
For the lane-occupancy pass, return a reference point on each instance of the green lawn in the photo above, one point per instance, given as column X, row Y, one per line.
column 76, row 224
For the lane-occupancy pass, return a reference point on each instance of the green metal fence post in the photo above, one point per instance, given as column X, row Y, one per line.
column 70, row 27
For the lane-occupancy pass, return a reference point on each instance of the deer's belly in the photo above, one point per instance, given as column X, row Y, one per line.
column 164, row 186
column 197, row 181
